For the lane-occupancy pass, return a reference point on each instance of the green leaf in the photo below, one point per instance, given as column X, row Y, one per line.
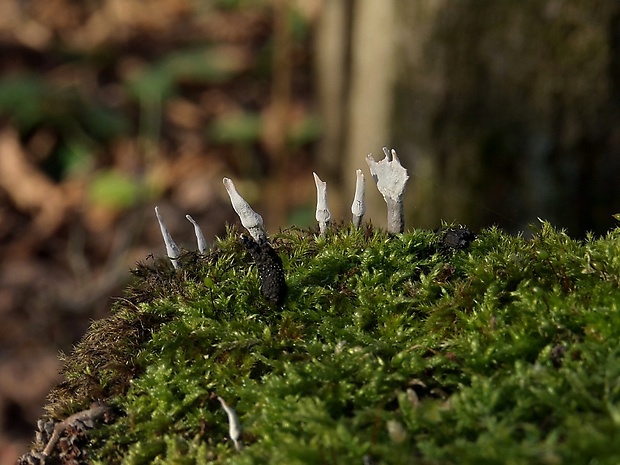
column 115, row 190
column 236, row 128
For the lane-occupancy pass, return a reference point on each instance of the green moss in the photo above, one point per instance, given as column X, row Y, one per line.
column 388, row 349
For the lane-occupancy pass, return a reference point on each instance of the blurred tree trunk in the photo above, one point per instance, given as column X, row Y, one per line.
column 501, row 111
column 355, row 48
column 333, row 40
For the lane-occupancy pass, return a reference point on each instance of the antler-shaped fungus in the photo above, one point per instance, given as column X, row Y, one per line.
column 391, row 178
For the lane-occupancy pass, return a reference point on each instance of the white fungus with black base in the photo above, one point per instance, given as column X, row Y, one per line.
column 323, row 215
column 200, row 237
column 250, row 220
column 234, row 425
column 172, row 250
column 391, row 178
column 389, row 175
column 358, row 208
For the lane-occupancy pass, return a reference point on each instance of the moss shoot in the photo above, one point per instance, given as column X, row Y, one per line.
column 415, row 348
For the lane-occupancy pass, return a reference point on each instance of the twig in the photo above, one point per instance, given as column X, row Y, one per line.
column 86, row 418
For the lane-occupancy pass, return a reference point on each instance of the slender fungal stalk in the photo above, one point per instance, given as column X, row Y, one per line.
column 172, row 250
column 391, row 179
column 200, row 237
column 358, row 208
column 250, row 220
column 396, row 216
column 323, row 215
column 234, row 425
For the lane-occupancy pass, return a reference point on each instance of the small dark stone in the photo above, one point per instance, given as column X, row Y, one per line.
column 456, row 239
column 270, row 270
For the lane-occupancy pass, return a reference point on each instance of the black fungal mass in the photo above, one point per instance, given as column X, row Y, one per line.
column 455, row 239
column 270, row 271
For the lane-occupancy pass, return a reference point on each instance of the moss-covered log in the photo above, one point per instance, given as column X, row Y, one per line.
column 426, row 347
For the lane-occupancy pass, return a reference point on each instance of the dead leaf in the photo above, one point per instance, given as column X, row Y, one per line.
column 31, row 191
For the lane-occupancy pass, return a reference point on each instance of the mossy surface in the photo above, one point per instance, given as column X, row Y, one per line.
column 387, row 350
